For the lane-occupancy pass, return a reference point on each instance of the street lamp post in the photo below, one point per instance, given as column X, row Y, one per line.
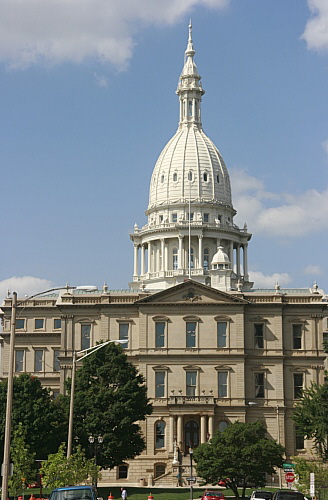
column 10, row 381
column 191, row 451
column 85, row 353
column 93, row 440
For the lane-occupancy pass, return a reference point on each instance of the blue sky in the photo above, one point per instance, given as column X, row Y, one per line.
column 88, row 102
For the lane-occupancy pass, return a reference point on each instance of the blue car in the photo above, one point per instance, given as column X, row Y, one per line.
column 75, row 493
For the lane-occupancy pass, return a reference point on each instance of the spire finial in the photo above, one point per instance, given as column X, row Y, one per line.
column 190, row 31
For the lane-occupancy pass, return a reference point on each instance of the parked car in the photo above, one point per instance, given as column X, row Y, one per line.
column 288, row 495
column 75, row 493
column 212, row 495
column 264, row 495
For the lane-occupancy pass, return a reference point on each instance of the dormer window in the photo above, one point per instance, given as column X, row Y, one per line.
column 190, row 176
column 175, row 177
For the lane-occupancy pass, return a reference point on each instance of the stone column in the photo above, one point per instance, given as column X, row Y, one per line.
column 135, row 269
column 180, row 432
column 245, row 261
column 231, row 254
column 180, row 252
column 238, row 260
column 200, row 252
column 149, row 257
column 171, row 433
column 211, row 426
column 142, row 271
column 162, row 254
column 203, row 429
column 166, row 257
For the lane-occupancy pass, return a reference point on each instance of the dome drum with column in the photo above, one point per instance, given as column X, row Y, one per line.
column 190, row 205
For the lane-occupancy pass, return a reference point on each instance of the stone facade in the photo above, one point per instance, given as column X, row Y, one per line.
column 209, row 358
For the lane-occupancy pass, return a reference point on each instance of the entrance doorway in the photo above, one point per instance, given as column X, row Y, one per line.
column 191, row 435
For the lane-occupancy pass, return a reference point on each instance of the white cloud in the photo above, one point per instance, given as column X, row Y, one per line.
column 283, row 215
column 24, row 285
column 316, row 29
column 268, row 281
column 313, row 270
column 325, row 146
column 101, row 80
column 57, row 31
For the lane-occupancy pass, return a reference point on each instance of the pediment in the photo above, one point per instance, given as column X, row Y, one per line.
column 192, row 292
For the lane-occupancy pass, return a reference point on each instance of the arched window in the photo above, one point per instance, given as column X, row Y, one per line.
column 205, row 176
column 160, row 469
column 223, row 425
column 175, row 177
column 160, row 434
column 162, row 178
column 218, row 178
column 190, row 175
column 175, row 259
column 206, row 258
column 190, row 108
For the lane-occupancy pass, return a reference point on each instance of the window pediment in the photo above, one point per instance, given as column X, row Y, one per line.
column 124, row 320
column 223, row 368
column 191, row 318
column 161, row 318
column 259, row 319
column 162, row 368
column 86, row 320
column 192, row 368
column 222, row 317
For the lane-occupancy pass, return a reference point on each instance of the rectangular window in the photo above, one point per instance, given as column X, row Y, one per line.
column 160, row 384
column 39, row 323
column 191, row 334
column 223, row 384
column 190, row 216
column 222, row 333
column 191, row 381
column 206, row 217
column 38, row 360
column 259, row 385
column 124, row 334
column 122, row 472
column 57, row 324
column 19, row 360
column 298, row 385
column 259, row 335
column 20, row 324
column 299, row 440
column 160, row 334
column 56, row 360
column 174, row 217
column 85, row 336
column 297, row 336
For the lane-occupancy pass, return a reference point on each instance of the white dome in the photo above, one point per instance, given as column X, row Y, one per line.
column 190, row 165
column 220, row 257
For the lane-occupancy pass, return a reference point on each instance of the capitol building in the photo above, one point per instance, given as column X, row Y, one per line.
column 212, row 348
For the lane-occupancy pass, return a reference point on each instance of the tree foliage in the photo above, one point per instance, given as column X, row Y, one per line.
column 23, row 461
column 42, row 418
column 241, row 454
column 59, row 470
column 303, row 468
column 110, row 399
column 311, row 417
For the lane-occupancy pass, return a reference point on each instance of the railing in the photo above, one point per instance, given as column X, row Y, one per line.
column 194, row 223
column 178, row 400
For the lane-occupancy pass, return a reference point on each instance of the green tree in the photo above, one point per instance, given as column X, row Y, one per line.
column 22, row 460
column 242, row 453
column 311, row 417
column 110, row 399
column 43, row 419
column 303, row 468
column 59, row 470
